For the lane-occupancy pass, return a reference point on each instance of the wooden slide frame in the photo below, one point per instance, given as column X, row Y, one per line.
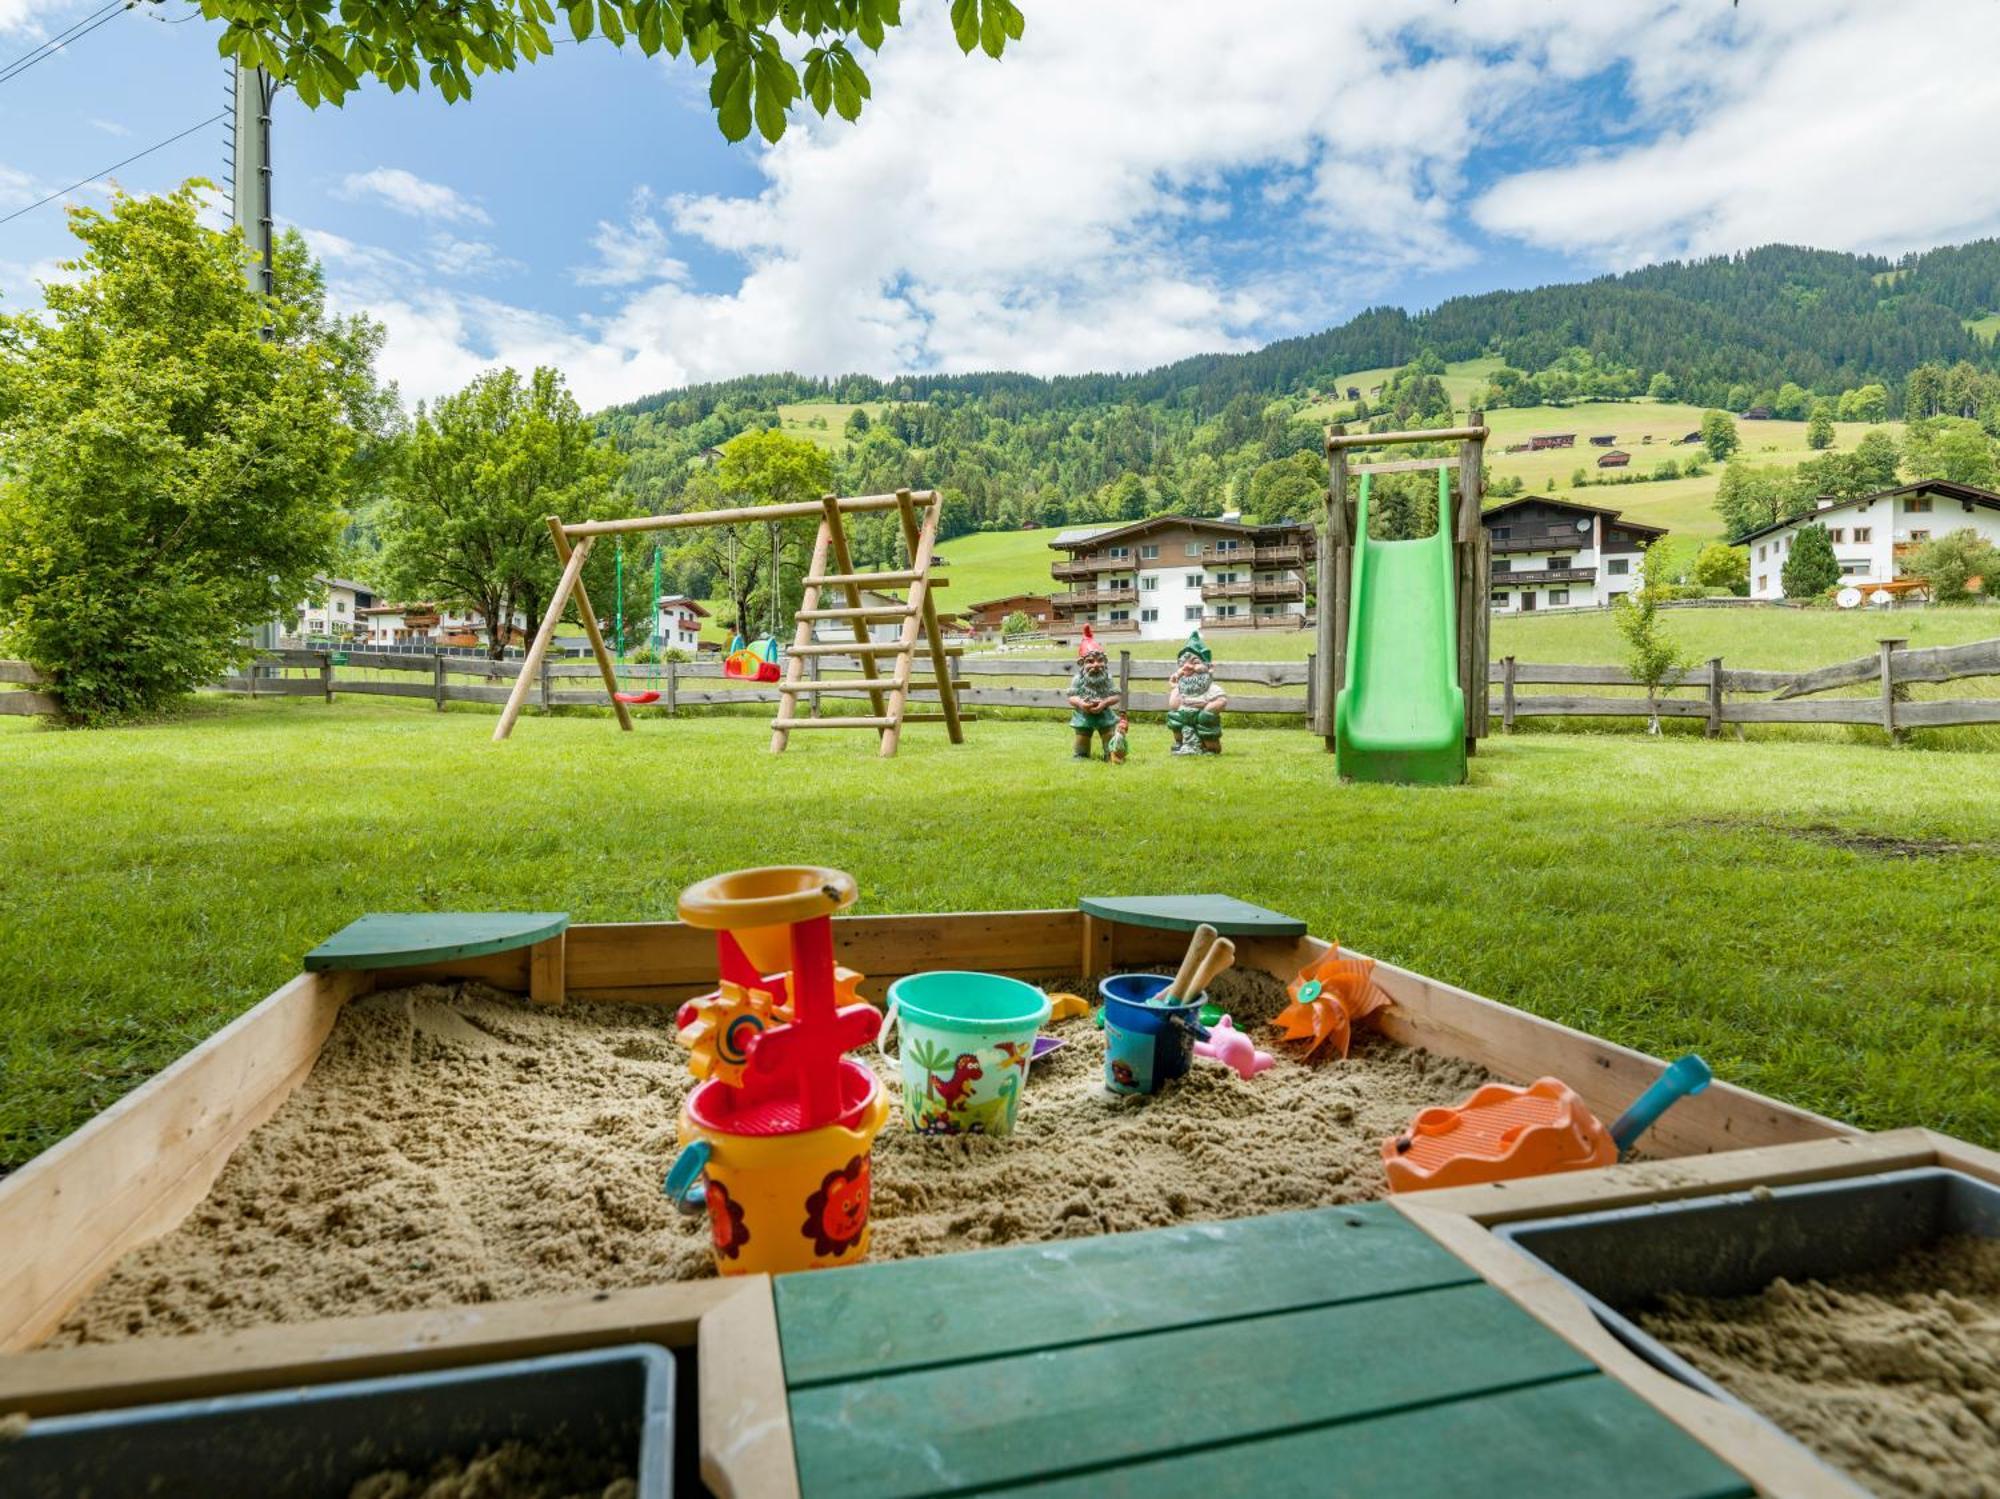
column 136, row 1170
column 918, row 510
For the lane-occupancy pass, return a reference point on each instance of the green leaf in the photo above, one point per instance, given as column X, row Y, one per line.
column 579, row 19
column 608, row 19
column 965, row 23
column 729, row 91
column 777, row 87
column 819, row 80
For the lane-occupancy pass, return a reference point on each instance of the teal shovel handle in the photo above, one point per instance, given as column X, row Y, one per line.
column 1687, row 1076
column 684, row 1186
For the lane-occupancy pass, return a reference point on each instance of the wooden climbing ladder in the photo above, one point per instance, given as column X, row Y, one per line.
column 888, row 693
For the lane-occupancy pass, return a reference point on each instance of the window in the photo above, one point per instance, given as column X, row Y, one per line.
column 1119, row 552
column 1557, row 564
column 1762, row 552
column 1863, row 533
column 1500, row 598
column 1194, row 549
column 1193, row 611
column 340, row 606
column 1118, row 616
column 1837, row 536
column 1763, row 580
column 1149, row 552
column 1149, row 581
column 1192, row 580
column 1618, row 567
column 1148, row 616
column 1920, row 536
column 1230, row 546
column 1501, row 533
column 1501, row 565
column 1227, row 611
column 1558, row 596
column 1853, row 569
column 1917, row 504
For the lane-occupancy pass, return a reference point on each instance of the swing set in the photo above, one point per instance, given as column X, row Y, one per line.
column 888, row 670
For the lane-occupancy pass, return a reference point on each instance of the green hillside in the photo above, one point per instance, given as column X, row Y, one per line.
column 993, row 564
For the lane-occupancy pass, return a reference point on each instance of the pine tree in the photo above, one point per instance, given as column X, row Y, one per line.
column 1810, row 569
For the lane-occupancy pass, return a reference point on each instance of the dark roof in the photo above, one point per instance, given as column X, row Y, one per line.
column 1012, row 598
column 1611, row 516
column 1152, row 522
column 1970, row 494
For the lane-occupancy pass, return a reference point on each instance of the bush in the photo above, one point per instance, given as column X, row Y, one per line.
column 1718, row 565
column 1810, row 568
column 1017, row 623
column 1950, row 563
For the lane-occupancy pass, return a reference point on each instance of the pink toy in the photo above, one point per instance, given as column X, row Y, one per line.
column 1229, row 1046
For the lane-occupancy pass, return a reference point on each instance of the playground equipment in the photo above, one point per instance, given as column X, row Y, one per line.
column 1501, row 1133
column 967, row 1041
column 752, row 663
column 779, row 1133
column 1400, row 693
column 887, row 667
column 1330, row 997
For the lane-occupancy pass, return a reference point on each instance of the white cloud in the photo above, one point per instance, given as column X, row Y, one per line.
column 26, row 15
column 18, row 188
column 1122, row 191
column 405, row 192
column 1845, row 126
column 109, row 127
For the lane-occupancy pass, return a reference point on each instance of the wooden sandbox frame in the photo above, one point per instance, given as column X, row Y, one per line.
column 135, row 1171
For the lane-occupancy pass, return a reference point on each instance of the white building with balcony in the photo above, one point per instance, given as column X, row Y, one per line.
column 1557, row 554
column 1158, row 578
column 1874, row 535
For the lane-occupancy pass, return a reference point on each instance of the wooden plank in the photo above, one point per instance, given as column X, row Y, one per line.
column 397, row 939
column 742, row 515
column 1403, row 465
column 1608, row 707
column 1338, row 438
column 1098, row 936
column 1581, row 1437
column 1979, row 658
column 1183, row 913
column 135, row 1170
column 143, row 1371
column 588, row 615
column 958, row 1430
column 862, row 580
column 989, row 1303
column 545, row 971
column 883, row 722
column 270, row 686
column 1940, row 715
column 746, row 1423
column 20, row 671
column 1825, row 710
column 538, row 648
column 27, row 704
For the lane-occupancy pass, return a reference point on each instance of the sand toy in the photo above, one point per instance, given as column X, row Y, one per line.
column 752, row 663
column 1329, row 999
column 777, row 1139
column 968, row 1039
column 1229, row 1046
column 1502, row 1133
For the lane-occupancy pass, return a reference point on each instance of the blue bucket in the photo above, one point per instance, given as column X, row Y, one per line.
column 1146, row 1044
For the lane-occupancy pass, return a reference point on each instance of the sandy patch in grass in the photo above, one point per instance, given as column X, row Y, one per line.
column 456, row 1147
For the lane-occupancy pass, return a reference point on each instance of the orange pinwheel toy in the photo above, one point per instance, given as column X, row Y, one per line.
column 1329, row 999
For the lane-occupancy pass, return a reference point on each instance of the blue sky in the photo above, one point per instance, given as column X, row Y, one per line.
column 1137, row 181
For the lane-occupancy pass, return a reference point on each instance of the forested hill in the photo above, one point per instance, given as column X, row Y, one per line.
column 1779, row 327
column 1825, row 320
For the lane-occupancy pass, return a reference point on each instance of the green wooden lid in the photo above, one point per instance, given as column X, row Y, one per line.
column 406, row 939
column 1183, row 913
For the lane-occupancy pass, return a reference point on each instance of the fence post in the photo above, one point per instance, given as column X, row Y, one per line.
column 548, row 696
column 1124, row 681
column 673, row 686
column 326, row 674
column 1312, row 686
column 437, row 677
column 1713, row 728
column 1507, row 694
column 1890, row 693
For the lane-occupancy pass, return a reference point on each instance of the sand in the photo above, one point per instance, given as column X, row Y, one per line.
column 509, row 1470
column 1892, row 1375
column 458, row 1145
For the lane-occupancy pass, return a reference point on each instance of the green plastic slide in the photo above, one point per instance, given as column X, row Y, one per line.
column 1401, row 714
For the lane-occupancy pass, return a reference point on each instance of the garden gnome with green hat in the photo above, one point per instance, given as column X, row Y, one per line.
column 1194, row 701
column 1093, row 698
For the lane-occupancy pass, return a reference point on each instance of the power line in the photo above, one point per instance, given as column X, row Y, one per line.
column 86, row 181
column 56, row 43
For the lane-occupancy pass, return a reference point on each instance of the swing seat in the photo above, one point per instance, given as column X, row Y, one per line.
column 637, row 697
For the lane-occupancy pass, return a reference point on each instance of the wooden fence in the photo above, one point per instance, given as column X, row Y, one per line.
column 1715, row 693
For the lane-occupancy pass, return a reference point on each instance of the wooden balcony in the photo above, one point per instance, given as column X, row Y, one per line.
column 1545, row 575
column 1278, row 556
column 1089, row 597
column 1282, row 590
column 1077, row 567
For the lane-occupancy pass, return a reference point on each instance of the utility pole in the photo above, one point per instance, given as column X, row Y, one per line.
column 252, row 90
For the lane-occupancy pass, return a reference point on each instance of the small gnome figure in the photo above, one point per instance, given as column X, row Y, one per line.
column 1114, row 749
column 1093, row 697
column 1194, row 701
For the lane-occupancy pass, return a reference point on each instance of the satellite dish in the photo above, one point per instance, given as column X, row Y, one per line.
column 1583, row 525
column 1848, row 598
column 1879, row 596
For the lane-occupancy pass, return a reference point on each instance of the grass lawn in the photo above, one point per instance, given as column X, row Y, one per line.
column 825, row 422
column 994, row 564
column 1671, row 894
column 1986, row 328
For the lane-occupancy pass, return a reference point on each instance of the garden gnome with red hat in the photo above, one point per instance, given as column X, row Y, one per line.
column 1093, row 698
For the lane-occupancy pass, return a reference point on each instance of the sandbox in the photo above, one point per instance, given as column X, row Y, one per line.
column 460, row 1155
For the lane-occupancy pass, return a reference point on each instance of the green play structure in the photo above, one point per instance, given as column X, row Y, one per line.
column 1400, row 687
column 1401, row 714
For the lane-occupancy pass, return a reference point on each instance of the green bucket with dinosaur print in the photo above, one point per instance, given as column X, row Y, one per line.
column 967, row 1041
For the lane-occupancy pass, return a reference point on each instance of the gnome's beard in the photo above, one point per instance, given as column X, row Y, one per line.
column 1197, row 684
column 1091, row 681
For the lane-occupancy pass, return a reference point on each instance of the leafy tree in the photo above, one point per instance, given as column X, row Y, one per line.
column 1017, row 623
column 1949, row 563
column 1866, row 403
column 1792, row 403
column 1718, row 435
column 1750, row 496
column 1719, row 565
column 1292, row 488
column 1952, row 448
column 762, row 468
column 1661, row 387
column 324, row 49
column 857, row 423
column 170, row 477
column 481, row 471
column 1810, row 567
column 1653, row 657
column 1819, row 428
